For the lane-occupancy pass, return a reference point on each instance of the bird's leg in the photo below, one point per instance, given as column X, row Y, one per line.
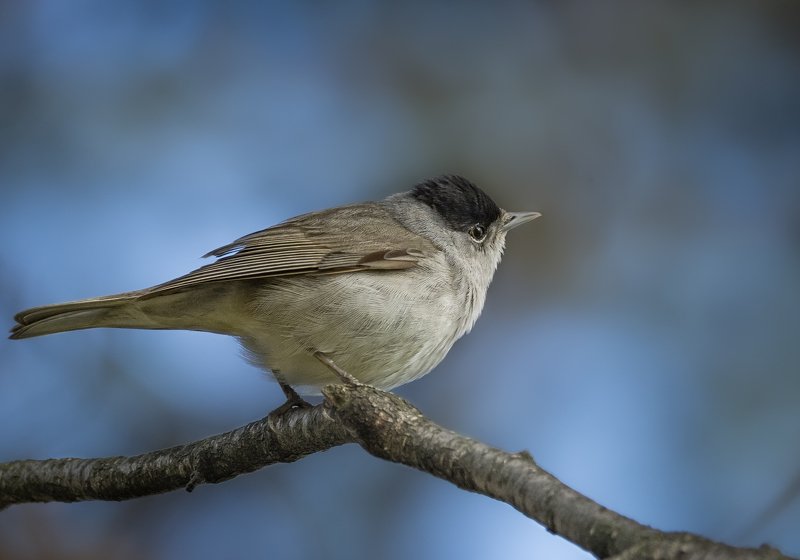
column 345, row 377
column 293, row 400
column 292, row 397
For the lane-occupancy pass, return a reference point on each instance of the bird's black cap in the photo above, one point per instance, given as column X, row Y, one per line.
column 458, row 201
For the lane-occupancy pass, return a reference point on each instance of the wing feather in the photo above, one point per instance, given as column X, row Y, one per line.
column 355, row 238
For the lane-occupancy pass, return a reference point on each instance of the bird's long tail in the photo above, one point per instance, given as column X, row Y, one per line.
column 107, row 311
column 203, row 309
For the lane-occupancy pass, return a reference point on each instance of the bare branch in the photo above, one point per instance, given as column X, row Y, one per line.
column 281, row 439
column 386, row 426
column 392, row 429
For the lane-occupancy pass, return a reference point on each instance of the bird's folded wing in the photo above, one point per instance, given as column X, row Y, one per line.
column 348, row 239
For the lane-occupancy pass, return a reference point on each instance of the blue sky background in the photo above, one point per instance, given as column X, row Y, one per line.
column 641, row 339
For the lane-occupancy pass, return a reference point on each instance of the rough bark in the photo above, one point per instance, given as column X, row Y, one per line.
column 387, row 427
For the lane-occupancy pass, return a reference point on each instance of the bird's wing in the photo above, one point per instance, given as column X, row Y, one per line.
column 347, row 239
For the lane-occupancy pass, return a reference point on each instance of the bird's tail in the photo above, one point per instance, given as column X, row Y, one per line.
column 216, row 307
column 107, row 311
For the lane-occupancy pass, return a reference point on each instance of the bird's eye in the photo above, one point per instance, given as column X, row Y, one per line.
column 477, row 232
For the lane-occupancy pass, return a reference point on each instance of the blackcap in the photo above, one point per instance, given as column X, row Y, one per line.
column 380, row 290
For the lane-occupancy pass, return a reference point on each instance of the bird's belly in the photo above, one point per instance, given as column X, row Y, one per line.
column 383, row 336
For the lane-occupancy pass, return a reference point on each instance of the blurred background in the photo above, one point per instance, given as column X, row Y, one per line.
column 641, row 339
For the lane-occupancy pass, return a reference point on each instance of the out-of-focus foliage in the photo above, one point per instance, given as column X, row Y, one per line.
column 640, row 339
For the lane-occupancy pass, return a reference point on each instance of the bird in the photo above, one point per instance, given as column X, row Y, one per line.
column 375, row 292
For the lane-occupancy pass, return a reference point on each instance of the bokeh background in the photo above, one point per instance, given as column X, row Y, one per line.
column 641, row 339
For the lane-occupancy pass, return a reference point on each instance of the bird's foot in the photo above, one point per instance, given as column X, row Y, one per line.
column 293, row 400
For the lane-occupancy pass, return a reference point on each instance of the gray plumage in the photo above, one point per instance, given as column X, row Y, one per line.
column 383, row 289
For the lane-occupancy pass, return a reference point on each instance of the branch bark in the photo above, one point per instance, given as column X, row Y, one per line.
column 386, row 426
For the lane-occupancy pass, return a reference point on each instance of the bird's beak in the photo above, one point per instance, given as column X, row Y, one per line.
column 514, row 219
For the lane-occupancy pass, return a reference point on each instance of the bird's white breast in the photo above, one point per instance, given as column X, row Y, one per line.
column 385, row 332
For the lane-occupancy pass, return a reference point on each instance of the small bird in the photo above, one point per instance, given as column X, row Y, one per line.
column 377, row 291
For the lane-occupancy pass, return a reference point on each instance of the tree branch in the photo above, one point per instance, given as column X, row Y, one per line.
column 384, row 425
column 281, row 439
